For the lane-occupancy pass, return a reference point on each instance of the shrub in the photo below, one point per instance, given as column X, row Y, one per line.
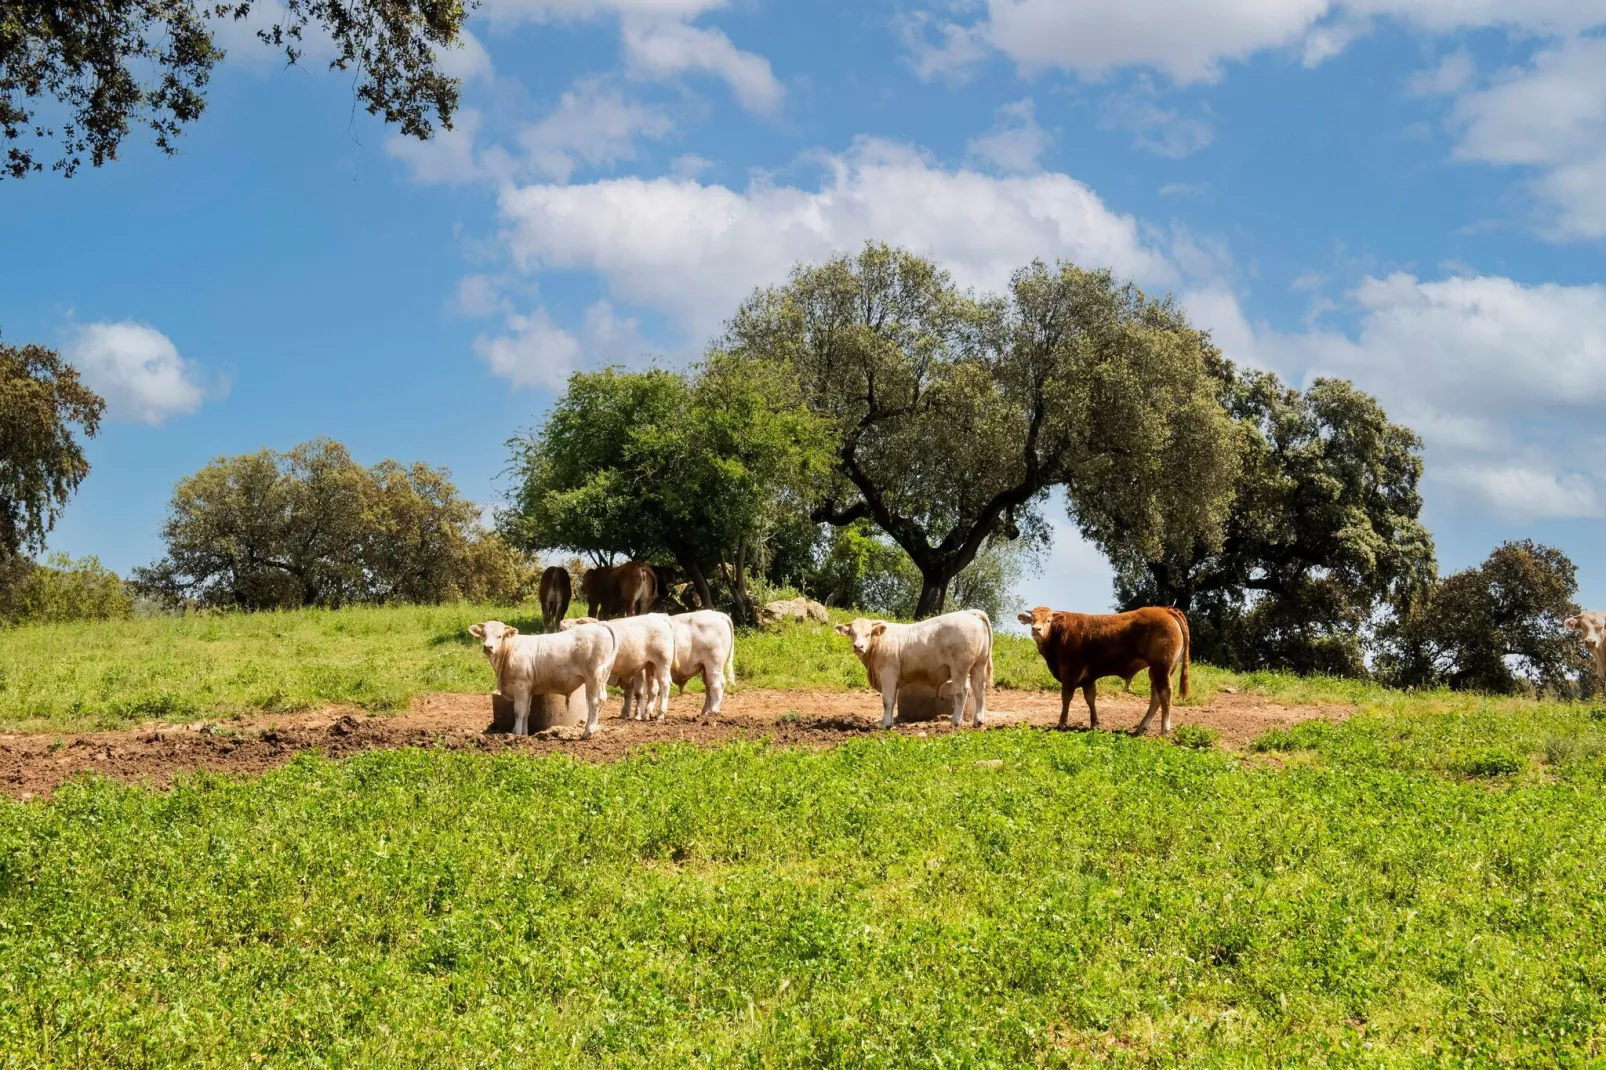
column 62, row 590
column 1194, row 737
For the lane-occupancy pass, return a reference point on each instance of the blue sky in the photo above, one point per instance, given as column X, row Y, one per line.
column 1408, row 193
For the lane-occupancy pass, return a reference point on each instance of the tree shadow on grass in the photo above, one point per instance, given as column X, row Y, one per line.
column 460, row 636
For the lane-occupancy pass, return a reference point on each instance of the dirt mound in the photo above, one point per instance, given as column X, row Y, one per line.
column 33, row 765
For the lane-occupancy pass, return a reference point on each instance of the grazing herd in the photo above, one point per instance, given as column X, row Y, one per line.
column 642, row 652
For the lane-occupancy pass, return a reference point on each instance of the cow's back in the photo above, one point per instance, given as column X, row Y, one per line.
column 935, row 650
column 559, row 662
column 1110, row 644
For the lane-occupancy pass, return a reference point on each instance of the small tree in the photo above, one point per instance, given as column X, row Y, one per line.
column 953, row 415
column 62, row 590
column 42, row 403
column 1490, row 628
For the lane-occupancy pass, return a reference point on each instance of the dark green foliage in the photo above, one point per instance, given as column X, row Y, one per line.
column 1323, row 534
column 953, row 414
column 889, row 903
column 311, row 527
column 42, row 403
column 1495, row 628
column 61, row 590
column 94, row 68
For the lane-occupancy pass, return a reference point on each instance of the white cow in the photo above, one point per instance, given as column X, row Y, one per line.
column 705, row 645
column 557, row 664
column 955, row 649
column 1591, row 628
column 646, row 648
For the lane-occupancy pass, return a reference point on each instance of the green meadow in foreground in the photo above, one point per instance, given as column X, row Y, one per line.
column 112, row 674
column 1397, row 890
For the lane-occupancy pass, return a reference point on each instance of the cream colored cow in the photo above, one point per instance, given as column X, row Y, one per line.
column 558, row 664
column 647, row 648
column 955, row 648
column 1591, row 628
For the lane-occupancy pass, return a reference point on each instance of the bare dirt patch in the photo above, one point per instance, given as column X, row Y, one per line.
column 35, row 764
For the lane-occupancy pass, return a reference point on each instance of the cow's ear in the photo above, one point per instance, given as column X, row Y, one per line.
column 1024, row 618
column 509, row 632
column 843, row 629
column 878, row 628
column 1570, row 622
column 477, row 631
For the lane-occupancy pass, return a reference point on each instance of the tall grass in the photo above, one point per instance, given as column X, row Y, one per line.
column 1010, row 898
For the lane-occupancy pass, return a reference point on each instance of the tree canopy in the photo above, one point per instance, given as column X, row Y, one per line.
column 82, row 74
column 43, row 404
column 954, row 414
column 697, row 467
column 311, row 527
column 1323, row 533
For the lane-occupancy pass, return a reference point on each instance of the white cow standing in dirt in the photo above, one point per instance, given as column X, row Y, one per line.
column 558, row 664
column 646, row 648
column 705, row 645
column 955, row 649
column 1591, row 628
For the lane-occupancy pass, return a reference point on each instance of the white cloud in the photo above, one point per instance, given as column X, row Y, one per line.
column 1453, row 74
column 447, row 158
column 1550, row 116
column 137, row 369
column 694, row 251
column 1163, row 131
column 1190, row 42
column 467, row 60
column 1504, row 381
column 593, row 126
column 1014, row 144
column 1184, row 189
column 512, row 11
column 667, row 49
column 689, row 165
column 537, row 353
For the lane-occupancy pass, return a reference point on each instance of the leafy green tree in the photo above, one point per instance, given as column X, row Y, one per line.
column 42, row 404
column 97, row 67
column 1324, row 532
column 1493, row 628
column 699, row 468
column 62, row 590
column 953, row 415
column 311, row 527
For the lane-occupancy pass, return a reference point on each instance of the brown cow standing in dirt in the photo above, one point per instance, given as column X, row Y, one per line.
column 619, row 590
column 556, row 593
column 1082, row 647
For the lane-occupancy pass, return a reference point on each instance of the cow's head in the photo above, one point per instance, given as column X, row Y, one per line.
column 863, row 632
column 1040, row 621
column 491, row 635
column 575, row 622
column 1591, row 628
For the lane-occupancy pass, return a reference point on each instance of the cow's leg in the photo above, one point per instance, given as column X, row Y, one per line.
column 660, row 687
column 1067, row 692
column 889, row 697
column 1157, row 682
column 596, row 695
column 961, row 698
column 629, row 686
column 1165, row 704
column 521, row 712
column 978, row 684
column 713, row 688
column 1090, row 692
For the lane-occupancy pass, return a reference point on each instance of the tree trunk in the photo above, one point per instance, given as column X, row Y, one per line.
column 933, row 591
column 746, row 612
column 699, row 581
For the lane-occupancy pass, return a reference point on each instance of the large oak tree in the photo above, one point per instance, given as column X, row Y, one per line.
column 954, row 414
column 43, row 405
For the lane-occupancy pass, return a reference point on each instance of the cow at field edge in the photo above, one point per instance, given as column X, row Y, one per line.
column 705, row 645
column 556, row 591
column 1082, row 647
column 955, row 648
column 558, row 664
column 646, row 647
column 619, row 590
column 1591, row 628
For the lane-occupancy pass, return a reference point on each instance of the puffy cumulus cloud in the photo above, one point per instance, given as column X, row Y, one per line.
column 694, row 251
column 1190, row 42
column 467, row 60
column 1504, row 381
column 591, row 125
column 138, row 370
column 1549, row 116
column 664, row 49
column 1015, row 144
column 535, row 352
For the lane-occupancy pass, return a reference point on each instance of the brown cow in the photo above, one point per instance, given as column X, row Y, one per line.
column 619, row 590
column 556, row 592
column 1082, row 647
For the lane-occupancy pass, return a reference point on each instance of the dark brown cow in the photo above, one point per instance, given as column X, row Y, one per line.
column 619, row 590
column 1082, row 647
column 556, row 592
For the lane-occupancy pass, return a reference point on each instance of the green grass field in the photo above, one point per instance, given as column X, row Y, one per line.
column 1397, row 890
column 115, row 673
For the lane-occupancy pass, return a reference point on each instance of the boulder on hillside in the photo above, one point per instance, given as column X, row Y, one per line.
column 794, row 609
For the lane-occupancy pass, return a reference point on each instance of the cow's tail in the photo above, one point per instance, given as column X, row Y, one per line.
column 1187, row 641
column 730, row 655
column 985, row 619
